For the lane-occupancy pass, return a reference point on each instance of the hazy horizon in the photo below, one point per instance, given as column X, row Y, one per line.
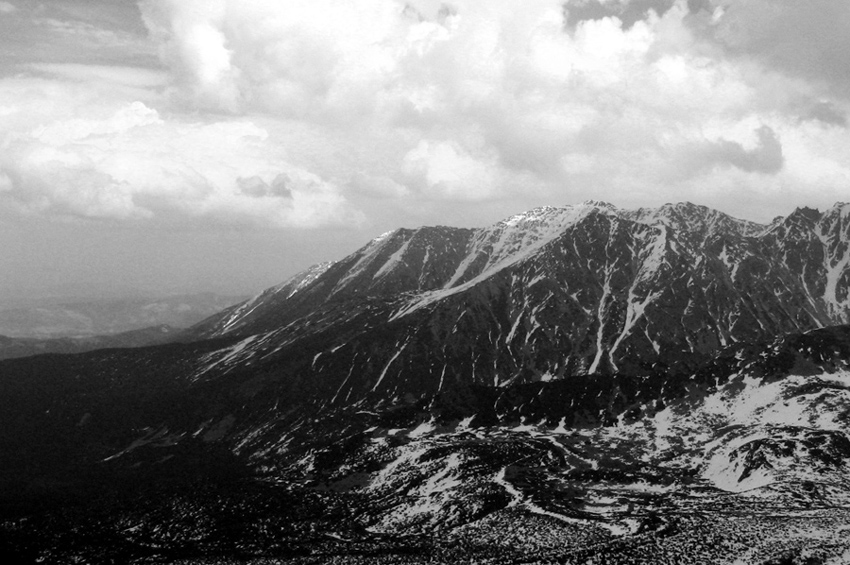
column 221, row 146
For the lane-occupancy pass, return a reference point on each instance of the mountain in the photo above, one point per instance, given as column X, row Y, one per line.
column 572, row 385
column 552, row 293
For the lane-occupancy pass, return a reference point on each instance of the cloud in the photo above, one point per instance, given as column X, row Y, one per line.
column 135, row 165
column 114, row 75
column 445, row 170
column 5, row 182
column 50, row 32
column 627, row 11
column 258, row 188
column 7, row 8
column 465, row 101
column 765, row 157
column 378, row 186
column 827, row 113
column 301, row 113
column 805, row 39
column 283, row 57
column 193, row 43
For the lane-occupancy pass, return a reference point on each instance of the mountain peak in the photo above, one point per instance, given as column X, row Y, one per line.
column 559, row 214
column 696, row 220
column 806, row 217
column 840, row 210
column 599, row 204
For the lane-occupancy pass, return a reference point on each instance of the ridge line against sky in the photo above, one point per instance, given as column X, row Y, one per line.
column 224, row 145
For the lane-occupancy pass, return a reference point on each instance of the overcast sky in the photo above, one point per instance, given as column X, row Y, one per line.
column 226, row 144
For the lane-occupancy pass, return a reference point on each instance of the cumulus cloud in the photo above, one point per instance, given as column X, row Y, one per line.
column 627, row 11
column 469, row 101
column 279, row 56
column 194, row 45
column 135, row 165
column 300, row 112
column 445, row 170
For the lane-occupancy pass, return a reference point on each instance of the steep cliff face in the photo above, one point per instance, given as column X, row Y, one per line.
column 547, row 294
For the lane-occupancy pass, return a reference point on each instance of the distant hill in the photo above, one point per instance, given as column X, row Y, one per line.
column 11, row 348
column 95, row 318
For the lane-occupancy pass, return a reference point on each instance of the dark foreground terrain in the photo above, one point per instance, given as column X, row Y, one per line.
column 747, row 462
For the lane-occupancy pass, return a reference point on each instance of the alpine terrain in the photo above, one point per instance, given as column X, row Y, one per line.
column 581, row 384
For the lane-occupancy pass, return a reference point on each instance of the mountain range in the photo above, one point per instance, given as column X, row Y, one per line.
column 547, row 294
column 567, row 385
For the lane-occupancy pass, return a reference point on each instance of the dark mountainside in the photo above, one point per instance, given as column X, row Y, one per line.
column 568, row 384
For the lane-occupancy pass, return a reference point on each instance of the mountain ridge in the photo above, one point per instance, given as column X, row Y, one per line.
column 550, row 293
